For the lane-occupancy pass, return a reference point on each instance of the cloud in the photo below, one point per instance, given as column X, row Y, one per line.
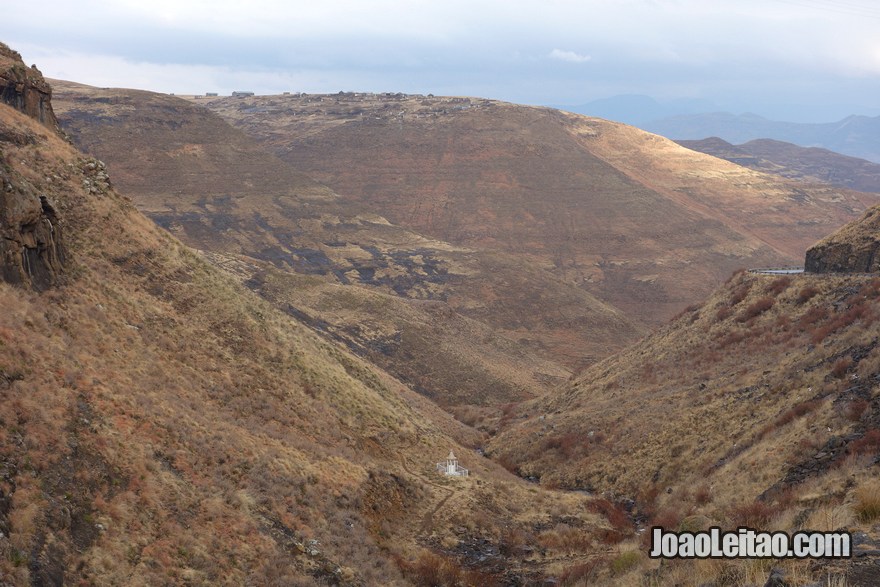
column 569, row 56
column 739, row 53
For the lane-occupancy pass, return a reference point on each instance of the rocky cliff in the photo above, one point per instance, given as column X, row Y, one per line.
column 31, row 250
column 855, row 248
column 24, row 88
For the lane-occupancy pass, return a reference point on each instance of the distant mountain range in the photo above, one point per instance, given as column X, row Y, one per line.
column 856, row 135
column 638, row 110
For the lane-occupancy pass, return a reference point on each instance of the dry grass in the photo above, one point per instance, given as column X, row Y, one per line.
column 756, row 309
column 430, row 569
column 162, row 422
column 634, row 183
column 463, row 325
column 829, row 518
column 218, row 441
column 867, row 502
column 868, row 444
column 699, row 431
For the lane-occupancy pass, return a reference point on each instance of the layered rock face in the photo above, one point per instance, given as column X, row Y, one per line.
column 855, row 248
column 31, row 250
column 24, row 88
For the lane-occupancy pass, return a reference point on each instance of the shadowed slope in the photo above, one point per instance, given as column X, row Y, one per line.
column 853, row 249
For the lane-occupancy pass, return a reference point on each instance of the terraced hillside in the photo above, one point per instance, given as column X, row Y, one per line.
column 162, row 424
column 633, row 218
column 211, row 186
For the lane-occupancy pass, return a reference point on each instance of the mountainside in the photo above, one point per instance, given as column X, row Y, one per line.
column 636, row 220
column 180, row 416
column 161, row 424
column 853, row 249
column 31, row 249
column 856, row 136
column 794, row 162
column 758, row 408
column 211, row 186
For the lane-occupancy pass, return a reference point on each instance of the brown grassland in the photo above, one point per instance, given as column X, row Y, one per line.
column 254, row 389
column 161, row 424
column 631, row 217
column 804, row 163
column 759, row 407
column 211, row 186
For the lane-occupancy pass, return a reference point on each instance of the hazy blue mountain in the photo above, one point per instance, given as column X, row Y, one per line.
column 695, row 119
column 857, row 136
column 637, row 109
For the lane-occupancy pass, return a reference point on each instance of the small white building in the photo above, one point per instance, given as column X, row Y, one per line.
column 451, row 467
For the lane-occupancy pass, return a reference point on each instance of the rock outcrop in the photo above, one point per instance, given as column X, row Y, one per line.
column 31, row 250
column 855, row 248
column 24, row 88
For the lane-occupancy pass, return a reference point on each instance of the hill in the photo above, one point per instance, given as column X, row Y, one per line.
column 632, row 218
column 852, row 249
column 807, row 164
column 855, row 136
column 214, row 188
column 758, row 408
column 162, row 424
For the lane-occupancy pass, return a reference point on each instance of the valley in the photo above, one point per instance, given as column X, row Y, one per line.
column 239, row 333
column 163, row 424
column 303, row 246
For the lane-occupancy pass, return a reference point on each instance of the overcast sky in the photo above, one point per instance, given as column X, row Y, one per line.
column 786, row 59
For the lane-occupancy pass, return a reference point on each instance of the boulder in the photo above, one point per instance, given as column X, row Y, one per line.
column 30, row 238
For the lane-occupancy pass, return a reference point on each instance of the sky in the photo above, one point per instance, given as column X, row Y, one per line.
column 799, row 60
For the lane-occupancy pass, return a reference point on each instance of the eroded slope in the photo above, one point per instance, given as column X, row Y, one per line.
column 758, row 408
column 161, row 424
column 853, row 249
column 152, row 144
column 631, row 217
